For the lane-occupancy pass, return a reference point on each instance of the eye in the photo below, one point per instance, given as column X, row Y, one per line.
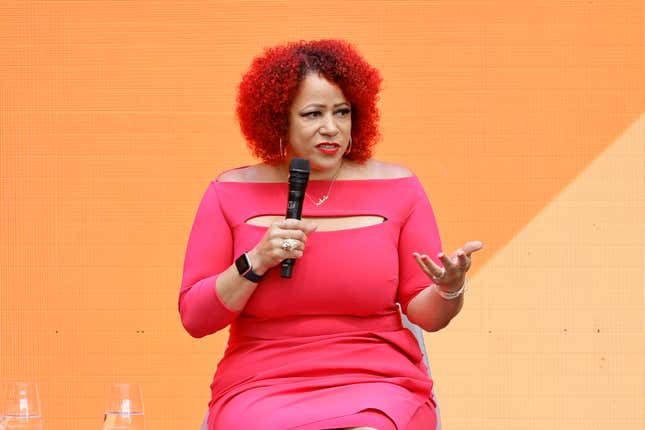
column 343, row 112
column 311, row 114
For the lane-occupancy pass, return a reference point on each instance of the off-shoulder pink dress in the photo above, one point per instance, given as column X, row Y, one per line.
column 326, row 348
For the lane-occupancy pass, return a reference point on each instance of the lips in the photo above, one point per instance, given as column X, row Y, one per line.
column 328, row 145
column 329, row 148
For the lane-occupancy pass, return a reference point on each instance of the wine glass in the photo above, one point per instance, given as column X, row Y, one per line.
column 20, row 407
column 123, row 407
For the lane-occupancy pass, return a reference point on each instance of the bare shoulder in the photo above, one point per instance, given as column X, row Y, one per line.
column 255, row 173
column 234, row 175
column 383, row 170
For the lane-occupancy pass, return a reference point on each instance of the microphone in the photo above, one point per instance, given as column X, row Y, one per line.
column 298, row 177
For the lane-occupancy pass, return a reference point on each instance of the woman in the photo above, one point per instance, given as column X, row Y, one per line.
column 325, row 348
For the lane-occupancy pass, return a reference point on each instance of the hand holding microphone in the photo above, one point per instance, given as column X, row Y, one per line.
column 284, row 241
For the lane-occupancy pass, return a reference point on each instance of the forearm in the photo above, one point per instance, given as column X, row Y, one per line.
column 233, row 289
column 213, row 303
column 432, row 312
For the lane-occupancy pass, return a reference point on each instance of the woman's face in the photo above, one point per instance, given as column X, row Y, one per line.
column 320, row 123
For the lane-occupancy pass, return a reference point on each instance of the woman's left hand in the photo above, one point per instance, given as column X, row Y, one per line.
column 453, row 273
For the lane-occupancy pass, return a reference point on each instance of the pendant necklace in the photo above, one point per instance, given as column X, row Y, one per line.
column 325, row 196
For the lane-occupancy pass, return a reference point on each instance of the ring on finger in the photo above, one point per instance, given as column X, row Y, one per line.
column 289, row 244
column 441, row 276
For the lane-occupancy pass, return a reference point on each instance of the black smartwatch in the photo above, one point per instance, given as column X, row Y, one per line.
column 244, row 269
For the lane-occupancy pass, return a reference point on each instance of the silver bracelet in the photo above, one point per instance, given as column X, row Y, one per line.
column 453, row 294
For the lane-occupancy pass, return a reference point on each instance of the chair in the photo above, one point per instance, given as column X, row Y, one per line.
column 418, row 334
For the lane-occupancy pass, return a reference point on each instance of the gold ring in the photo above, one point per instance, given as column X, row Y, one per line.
column 289, row 244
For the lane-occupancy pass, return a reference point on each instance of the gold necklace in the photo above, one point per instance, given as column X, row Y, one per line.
column 325, row 196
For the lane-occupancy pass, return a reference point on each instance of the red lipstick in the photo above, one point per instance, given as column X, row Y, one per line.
column 329, row 148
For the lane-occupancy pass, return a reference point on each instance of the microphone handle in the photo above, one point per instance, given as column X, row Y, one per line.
column 294, row 211
column 294, row 205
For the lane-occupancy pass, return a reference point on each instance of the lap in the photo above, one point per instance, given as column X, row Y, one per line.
column 363, row 420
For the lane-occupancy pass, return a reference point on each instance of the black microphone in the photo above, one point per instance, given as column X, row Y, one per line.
column 298, row 177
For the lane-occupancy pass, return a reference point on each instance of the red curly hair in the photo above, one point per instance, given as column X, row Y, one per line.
column 269, row 87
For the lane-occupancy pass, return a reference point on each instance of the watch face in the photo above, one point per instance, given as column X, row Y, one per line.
column 242, row 264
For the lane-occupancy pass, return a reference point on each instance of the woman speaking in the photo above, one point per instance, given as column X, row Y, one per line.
column 325, row 348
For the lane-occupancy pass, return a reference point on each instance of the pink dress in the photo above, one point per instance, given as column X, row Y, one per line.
column 325, row 348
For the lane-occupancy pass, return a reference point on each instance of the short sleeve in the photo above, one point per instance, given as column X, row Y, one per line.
column 419, row 233
column 209, row 252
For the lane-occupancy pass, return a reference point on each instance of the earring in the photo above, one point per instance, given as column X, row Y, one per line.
column 282, row 154
column 349, row 147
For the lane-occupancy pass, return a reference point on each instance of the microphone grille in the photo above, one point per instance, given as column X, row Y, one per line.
column 299, row 164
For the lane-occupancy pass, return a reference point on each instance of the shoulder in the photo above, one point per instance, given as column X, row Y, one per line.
column 255, row 173
column 375, row 169
column 391, row 170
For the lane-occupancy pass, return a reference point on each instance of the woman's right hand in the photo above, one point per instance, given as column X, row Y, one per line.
column 270, row 251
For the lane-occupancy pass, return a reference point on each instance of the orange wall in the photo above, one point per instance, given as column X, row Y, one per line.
column 522, row 118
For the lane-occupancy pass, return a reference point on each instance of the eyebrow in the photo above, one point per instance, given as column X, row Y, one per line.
column 318, row 105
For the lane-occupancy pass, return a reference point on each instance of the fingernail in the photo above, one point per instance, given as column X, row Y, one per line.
column 441, row 255
column 461, row 253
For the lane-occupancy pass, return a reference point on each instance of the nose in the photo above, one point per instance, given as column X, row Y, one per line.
column 328, row 126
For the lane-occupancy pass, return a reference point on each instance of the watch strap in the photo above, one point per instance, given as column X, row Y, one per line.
column 252, row 276
column 244, row 268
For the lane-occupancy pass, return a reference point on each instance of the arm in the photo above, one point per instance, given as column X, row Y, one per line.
column 212, row 292
column 431, row 311
column 421, row 303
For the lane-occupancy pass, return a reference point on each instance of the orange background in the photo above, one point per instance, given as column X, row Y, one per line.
column 524, row 120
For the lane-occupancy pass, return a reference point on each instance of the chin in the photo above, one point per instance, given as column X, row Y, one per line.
column 324, row 164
